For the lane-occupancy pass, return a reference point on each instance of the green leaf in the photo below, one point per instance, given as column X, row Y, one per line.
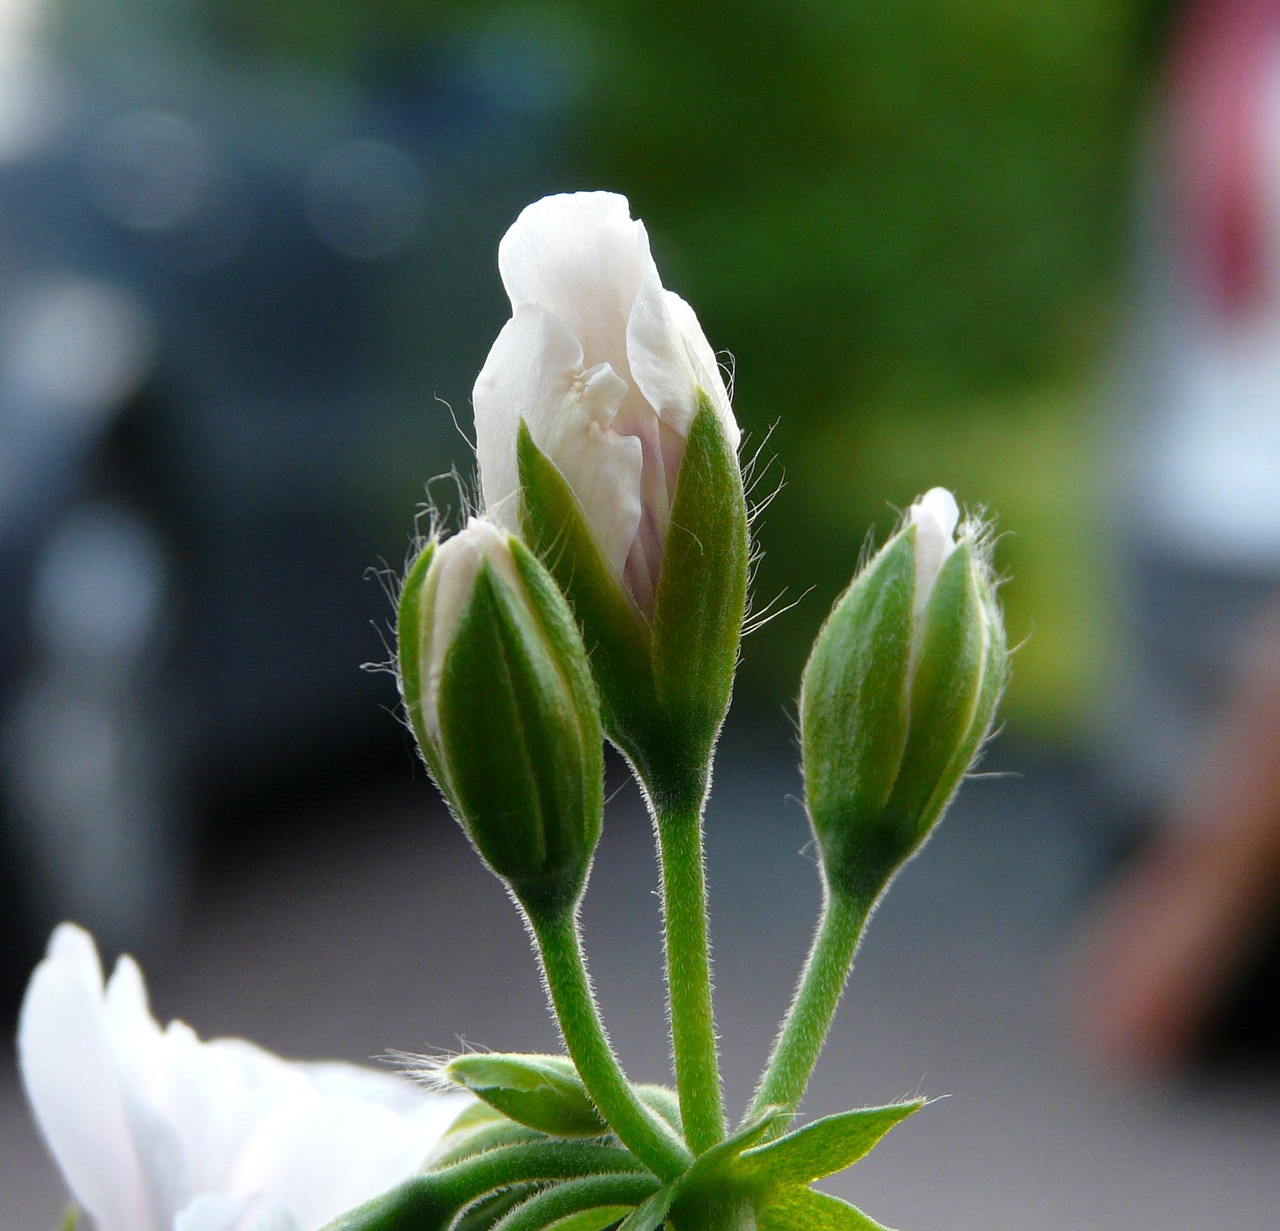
column 802, row 1209
column 543, row 1092
column 702, row 589
column 649, row 1214
column 824, row 1147
column 710, row 1169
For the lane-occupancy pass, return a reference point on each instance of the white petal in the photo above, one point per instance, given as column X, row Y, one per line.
column 138, row 1045
column 934, row 516
column 535, row 372
column 217, row 1093
column 671, row 359
column 581, row 256
column 319, row 1156
column 222, row 1212
column 69, row 1071
column 446, row 591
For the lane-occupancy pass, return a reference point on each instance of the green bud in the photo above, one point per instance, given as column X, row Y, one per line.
column 497, row 690
column 899, row 693
column 542, row 1092
column 664, row 664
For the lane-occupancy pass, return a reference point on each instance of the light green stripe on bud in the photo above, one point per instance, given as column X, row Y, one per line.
column 899, row 693
column 497, row 690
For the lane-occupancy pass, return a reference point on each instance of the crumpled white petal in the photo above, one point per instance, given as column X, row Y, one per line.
column 605, row 367
column 536, row 371
column 156, row 1131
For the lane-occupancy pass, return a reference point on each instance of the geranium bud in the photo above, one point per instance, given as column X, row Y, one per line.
column 605, row 436
column 541, row 1092
column 899, row 693
column 496, row 687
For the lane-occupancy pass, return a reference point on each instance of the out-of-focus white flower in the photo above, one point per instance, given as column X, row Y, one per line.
column 155, row 1130
column 608, row 370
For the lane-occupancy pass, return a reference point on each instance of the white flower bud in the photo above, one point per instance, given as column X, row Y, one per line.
column 496, row 687
column 605, row 438
column 898, row 695
column 606, row 368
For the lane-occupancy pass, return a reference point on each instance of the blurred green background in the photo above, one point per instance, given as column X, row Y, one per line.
column 906, row 222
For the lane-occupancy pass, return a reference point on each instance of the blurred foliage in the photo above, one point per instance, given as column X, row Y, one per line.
column 906, row 220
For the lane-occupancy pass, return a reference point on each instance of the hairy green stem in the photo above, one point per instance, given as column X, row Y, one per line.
column 573, row 1001
column 549, row 1206
column 430, row 1202
column 688, row 960
column 804, row 1030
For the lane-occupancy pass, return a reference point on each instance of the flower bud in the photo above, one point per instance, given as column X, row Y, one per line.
column 899, row 693
column 541, row 1092
column 496, row 687
column 605, row 437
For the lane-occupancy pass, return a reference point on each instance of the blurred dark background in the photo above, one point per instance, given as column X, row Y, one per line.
column 248, row 274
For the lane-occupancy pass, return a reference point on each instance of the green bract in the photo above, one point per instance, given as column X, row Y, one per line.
column 898, row 696
column 542, row 1092
column 496, row 687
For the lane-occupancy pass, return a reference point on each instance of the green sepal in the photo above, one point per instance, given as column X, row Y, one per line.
column 542, row 1092
column 802, row 1209
column 613, row 630
column 520, row 736
column 953, row 671
column 409, row 659
column 71, row 1219
column 650, row 1213
column 702, row 591
column 713, row 1181
column 854, row 718
column 477, row 1128
column 823, row 1147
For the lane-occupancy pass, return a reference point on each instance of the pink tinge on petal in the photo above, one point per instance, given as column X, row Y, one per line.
column 69, row 1071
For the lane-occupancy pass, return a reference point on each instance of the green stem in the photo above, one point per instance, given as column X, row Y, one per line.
column 805, row 1027
column 688, row 959
column 574, row 1004
column 549, row 1206
column 429, row 1202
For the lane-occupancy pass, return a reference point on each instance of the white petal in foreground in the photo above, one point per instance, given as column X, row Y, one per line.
column 156, row 1131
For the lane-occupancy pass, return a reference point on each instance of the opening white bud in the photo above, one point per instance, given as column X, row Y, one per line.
column 445, row 593
column 935, row 516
